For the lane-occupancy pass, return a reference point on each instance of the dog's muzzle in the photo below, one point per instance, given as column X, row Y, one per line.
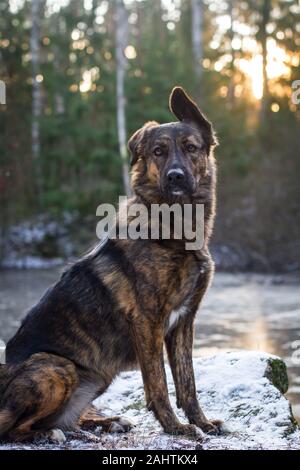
column 176, row 182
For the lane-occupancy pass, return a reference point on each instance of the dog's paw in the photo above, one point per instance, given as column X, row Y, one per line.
column 189, row 430
column 56, row 436
column 121, row 425
column 126, row 423
column 214, row 426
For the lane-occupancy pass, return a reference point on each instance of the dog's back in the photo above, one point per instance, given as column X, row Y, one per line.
column 74, row 319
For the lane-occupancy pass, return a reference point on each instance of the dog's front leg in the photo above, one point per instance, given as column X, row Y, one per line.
column 179, row 344
column 148, row 339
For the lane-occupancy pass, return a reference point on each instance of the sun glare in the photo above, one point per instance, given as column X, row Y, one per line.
column 277, row 59
column 253, row 68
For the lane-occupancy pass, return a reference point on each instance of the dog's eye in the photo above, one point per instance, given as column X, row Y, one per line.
column 157, row 151
column 191, row 148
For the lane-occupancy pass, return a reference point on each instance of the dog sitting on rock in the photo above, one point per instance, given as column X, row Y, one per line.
column 118, row 306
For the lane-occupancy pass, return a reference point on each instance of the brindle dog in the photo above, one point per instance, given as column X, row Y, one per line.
column 119, row 305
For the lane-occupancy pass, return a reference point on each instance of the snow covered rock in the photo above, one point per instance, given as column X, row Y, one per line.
column 37, row 244
column 244, row 389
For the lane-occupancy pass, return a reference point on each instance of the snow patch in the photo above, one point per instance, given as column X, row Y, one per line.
column 230, row 386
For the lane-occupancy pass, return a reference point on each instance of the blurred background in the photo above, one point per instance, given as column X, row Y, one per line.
column 81, row 76
column 75, row 70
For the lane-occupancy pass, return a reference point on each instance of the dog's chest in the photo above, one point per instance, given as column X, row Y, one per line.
column 176, row 314
column 184, row 293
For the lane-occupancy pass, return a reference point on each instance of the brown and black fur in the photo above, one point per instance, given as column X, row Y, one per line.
column 111, row 310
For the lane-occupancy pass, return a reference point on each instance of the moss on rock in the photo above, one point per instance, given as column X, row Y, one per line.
column 276, row 372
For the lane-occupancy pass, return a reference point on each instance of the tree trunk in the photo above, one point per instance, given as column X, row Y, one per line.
column 231, row 87
column 197, row 43
column 36, row 16
column 121, row 63
column 59, row 103
column 266, row 11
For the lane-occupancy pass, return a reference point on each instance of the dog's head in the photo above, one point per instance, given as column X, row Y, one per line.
column 170, row 161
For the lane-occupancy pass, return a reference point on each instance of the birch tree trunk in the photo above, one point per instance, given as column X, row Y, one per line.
column 36, row 9
column 231, row 87
column 197, row 42
column 121, row 63
column 266, row 12
column 59, row 103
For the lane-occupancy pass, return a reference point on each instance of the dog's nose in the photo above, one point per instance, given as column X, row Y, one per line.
column 175, row 176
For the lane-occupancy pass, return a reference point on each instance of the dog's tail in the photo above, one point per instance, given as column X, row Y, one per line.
column 7, row 417
column 5, row 374
column 7, row 421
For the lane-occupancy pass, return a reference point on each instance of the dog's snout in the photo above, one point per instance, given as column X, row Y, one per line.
column 177, row 181
column 175, row 176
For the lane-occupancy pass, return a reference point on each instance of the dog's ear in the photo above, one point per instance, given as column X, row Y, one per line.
column 186, row 110
column 135, row 142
